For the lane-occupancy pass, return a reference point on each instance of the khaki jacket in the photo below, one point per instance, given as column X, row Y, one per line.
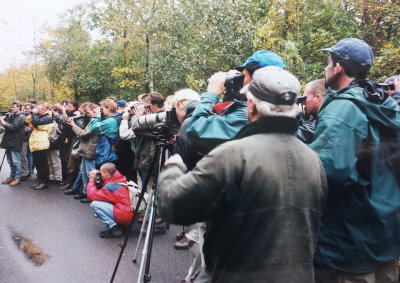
column 39, row 139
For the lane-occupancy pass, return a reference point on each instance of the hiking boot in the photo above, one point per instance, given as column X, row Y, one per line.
column 66, row 187
column 183, row 244
column 79, row 196
column 64, row 183
column 15, row 182
column 71, row 192
column 7, row 181
column 140, row 217
column 41, row 186
column 114, row 232
column 159, row 228
column 24, row 178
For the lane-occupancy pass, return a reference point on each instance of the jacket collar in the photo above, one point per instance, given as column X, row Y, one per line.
column 282, row 125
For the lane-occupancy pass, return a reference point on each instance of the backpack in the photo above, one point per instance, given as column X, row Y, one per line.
column 134, row 191
column 55, row 133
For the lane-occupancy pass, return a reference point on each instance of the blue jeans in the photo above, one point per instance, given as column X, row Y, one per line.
column 14, row 159
column 86, row 166
column 104, row 210
column 30, row 161
column 142, row 174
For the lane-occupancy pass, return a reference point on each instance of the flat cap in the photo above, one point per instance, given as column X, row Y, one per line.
column 274, row 85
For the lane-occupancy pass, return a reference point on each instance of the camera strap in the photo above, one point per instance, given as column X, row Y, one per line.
column 223, row 108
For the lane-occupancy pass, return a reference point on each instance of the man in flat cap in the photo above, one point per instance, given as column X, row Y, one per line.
column 262, row 213
column 392, row 86
column 357, row 139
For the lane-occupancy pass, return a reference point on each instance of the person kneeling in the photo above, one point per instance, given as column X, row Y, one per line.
column 111, row 203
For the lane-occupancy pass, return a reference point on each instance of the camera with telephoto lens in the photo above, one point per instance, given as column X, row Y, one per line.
column 97, row 180
column 164, row 124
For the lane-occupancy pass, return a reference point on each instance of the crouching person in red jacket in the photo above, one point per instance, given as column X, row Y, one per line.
column 111, row 203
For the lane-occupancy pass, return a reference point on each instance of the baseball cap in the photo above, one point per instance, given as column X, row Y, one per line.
column 353, row 53
column 275, row 85
column 121, row 103
column 261, row 59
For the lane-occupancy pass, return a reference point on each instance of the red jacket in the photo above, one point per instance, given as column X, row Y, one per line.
column 114, row 193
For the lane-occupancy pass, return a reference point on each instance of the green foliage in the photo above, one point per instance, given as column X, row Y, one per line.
column 165, row 45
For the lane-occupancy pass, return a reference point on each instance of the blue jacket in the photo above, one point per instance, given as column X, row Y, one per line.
column 108, row 132
column 355, row 140
column 206, row 129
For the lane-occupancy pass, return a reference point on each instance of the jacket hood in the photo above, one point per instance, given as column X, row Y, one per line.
column 190, row 108
column 386, row 114
column 116, row 178
column 116, row 116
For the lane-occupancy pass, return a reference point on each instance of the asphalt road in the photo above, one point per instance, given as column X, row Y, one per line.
column 68, row 234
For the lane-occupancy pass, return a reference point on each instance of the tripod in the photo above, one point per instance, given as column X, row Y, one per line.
column 4, row 156
column 161, row 150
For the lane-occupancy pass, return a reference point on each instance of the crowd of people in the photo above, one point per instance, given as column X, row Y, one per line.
column 272, row 186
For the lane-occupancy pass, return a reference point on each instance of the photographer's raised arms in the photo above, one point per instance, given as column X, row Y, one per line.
column 289, row 187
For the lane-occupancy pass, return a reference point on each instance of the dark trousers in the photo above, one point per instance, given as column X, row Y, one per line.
column 65, row 151
column 126, row 157
column 42, row 167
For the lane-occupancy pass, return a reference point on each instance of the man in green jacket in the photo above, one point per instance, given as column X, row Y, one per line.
column 357, row 139
column 205, row 129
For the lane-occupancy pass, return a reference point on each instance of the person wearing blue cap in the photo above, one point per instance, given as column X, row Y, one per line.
column 212, row 123
column 357, row 140
column 121, row 104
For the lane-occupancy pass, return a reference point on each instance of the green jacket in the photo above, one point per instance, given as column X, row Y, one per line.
column 262, row 216
column 360, row 226
column 206, row 129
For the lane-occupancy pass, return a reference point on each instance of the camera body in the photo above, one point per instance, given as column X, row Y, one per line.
column 97, row 180
column 75, row 118
column 5, row 114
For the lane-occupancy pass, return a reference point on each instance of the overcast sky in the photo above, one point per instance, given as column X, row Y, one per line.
column 17, row 19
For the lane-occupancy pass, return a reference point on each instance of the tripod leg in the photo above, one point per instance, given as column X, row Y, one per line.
column 4, row 156
column 143, row 225
column 161, row 150
column 123, row 245
column 150, row 227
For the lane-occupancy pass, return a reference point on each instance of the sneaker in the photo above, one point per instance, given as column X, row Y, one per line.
column 183, row 244
column 7, row 181
column 41, row 186
column 114, row 232
column 34, row 184
column 15, row 182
